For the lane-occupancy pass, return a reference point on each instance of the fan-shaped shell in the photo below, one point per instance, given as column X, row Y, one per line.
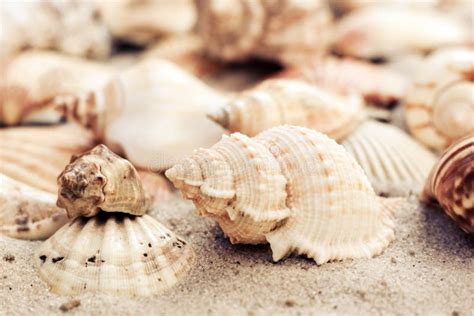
column 113, row 253
column 281, row 101
column 394, row 163
column 291, row 186
column 440, row 104
column 26, row 212
column 101, row 180
column 451, row 183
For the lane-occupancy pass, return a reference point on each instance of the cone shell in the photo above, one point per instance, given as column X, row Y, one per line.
column 291, row 186
column 26, row 212
column 125, row 255
column 281, row 101
column 451, row 183
column 394, row 163
column 440, row 104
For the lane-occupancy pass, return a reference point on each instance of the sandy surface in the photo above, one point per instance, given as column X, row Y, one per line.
column 429, row 269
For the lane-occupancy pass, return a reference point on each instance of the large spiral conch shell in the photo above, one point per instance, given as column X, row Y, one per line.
column 281, row 101
column 292, row 187
column 288, row 31
column 440, row 105
column 451, row 183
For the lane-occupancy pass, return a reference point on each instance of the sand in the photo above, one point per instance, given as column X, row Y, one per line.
column 428, row 270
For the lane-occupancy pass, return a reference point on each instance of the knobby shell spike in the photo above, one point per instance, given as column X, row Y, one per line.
column 284, row 101
column 440, row 104
column 100, row 180
column 292, row 187
column 26, row 212
column 451, row 183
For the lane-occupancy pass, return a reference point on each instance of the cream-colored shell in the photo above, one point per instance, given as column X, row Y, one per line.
column 440, row 104
column 394, row 163
column 99, row 180
column 284, row 101
column 345, row 6
column 26, row 212
column 113, row 253
column 451, row 183
column 292, row 187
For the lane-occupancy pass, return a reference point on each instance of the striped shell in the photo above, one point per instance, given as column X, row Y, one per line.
column 283, row 101
column 113, row 253
column 292, row 187
column 440, row 104
column 451, row 183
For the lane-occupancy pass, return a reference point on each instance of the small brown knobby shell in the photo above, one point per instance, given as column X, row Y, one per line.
column 451, row 183
column 100, row 180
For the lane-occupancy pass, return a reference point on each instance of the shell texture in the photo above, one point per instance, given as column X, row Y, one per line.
column 393, row 161
column 439, row 106
column 125, row 255
column 292, row 187
column 451, row 183
column 378, row 32
column 99, row 180
column 36, row 155
column 284, row 101
column 26, row 212
column 287, row 31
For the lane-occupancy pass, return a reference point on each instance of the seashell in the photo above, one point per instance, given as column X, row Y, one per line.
column 345, row 6
column 156, row 185
column 439, row 106
column 281, row 101
column 287, row 31
column 376, row 84
column 451, row 183
column 378, row 32
column 292, row 187
column 99, row 180
column 144, row 114
column 30, row 82
column 26, row 212
column 141, row 22
column 125, row 255
column 394, row 163
column 36, row 155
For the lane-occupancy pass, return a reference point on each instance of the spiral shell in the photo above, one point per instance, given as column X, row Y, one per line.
column 288, row 31
column 100, row 180
column 451, row 183
column 280, row 101
column 292, row 187
column 440, row 104
column 113, row 253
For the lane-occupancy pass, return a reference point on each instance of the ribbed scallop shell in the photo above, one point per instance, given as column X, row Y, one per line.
column 291, row 186
column 451, row 183
column 26, row 212
column 113, row 253
column 37, row 155
column 100, row 180
column 440, row 104
column 281, row 101
column 394, row 163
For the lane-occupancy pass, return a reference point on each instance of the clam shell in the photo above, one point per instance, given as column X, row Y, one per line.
column 292, row 187
column 440, row 104
column 125, row 255
column 451, row 183
column 101, row 180
column 283, row 101
column 394, row 163
column 26, row 212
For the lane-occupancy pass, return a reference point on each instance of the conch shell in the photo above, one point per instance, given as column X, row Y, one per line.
column 26, row 212
column 451, row 183
column 99, row 180
column 287, row 31
column 280, row 101
column 292, row 187
column 440, row 104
